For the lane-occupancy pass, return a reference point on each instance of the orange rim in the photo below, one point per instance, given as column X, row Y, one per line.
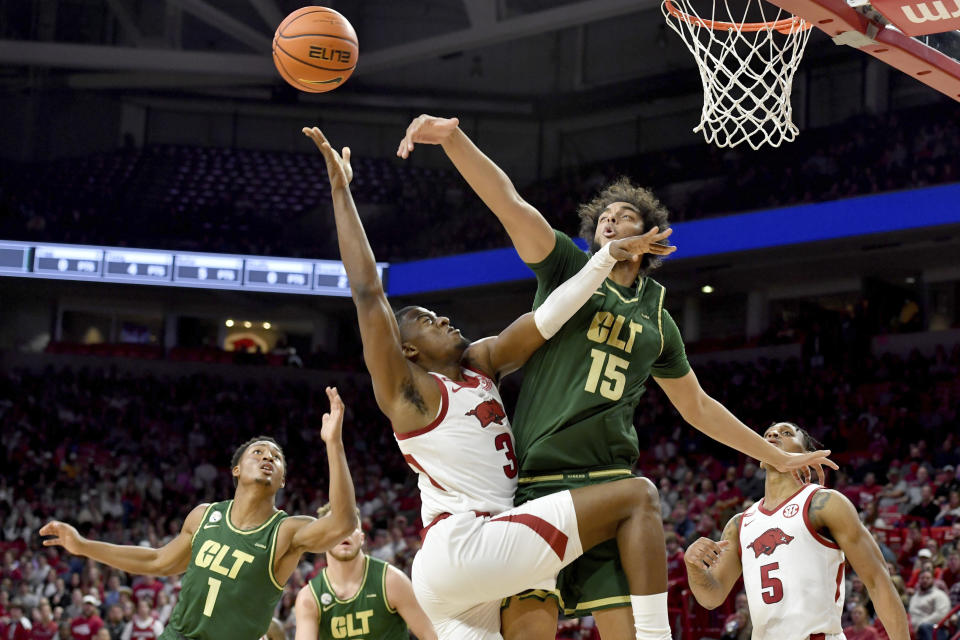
column 785, row 26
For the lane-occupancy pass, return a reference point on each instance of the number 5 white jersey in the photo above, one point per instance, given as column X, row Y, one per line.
column 793, row 576
column 464, row 458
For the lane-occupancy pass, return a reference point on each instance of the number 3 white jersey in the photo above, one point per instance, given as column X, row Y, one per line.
column 793, row 576
column 464, row 457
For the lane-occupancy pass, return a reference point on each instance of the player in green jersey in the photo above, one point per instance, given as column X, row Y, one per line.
column 573, row 420
column 417, row 361
column 358, row 596
column 238, row 553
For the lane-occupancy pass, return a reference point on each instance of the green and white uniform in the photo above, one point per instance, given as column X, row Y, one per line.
column 573, row 424
column 229, row 591
column 366, row 615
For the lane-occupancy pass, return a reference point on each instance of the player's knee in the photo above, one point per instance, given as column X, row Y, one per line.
column 646, row 496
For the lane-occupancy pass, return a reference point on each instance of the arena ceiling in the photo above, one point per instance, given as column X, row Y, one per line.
column 543, row 57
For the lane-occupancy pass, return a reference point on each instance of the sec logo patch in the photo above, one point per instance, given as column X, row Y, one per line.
column 791, row 510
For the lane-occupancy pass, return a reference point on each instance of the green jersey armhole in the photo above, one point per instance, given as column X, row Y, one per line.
column 206, row 512
column 316, row 599
column 273, row 553
column 383, row 590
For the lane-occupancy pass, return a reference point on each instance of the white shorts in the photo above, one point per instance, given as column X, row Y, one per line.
column 468, row 564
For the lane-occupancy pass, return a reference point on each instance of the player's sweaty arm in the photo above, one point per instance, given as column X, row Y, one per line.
column 528, row 229
column 405, row 393
column 507, row 352
column 713, row 567
column 834, row 512
column 170, row 559
column 713, row 419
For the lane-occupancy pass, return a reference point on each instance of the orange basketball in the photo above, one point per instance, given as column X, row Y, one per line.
column 315, row 49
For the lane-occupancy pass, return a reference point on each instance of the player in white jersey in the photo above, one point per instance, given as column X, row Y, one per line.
column 791, row 548
column 439, row 391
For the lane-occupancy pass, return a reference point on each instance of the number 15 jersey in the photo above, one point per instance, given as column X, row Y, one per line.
column 464, row 458
column 575, row 409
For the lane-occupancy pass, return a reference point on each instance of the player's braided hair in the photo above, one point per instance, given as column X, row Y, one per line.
column 652, row 212
column 235, row 460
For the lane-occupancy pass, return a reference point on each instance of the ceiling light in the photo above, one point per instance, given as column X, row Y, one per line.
column 706, row 289
column 247, row 324
column 267, row 325
column 229, row 323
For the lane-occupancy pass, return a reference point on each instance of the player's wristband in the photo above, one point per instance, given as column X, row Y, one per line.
column 573, row 294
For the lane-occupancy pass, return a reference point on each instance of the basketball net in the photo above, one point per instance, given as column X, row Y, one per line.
column 746, row 68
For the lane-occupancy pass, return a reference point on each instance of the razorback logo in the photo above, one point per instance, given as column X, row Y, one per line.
column 488, row 411
column 768, row 541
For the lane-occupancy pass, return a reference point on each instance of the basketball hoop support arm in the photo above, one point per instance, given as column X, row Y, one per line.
column 847, row 26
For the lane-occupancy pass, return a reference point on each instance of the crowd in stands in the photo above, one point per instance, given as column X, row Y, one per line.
column 273, row 203
column 124, row 456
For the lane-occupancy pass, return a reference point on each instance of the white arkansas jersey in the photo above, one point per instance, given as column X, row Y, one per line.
column 793, row 576
column 464, row 457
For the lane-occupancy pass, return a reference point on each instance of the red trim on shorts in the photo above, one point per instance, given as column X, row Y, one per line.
column 817, row 636
column 416, row 465
column 444, row 516
column 779, row 506
column 806, row 520
column 444, row 404
column 836, row 596
column 554, row 537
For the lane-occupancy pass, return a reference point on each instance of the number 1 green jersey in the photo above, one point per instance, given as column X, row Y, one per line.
column 229, row 591
column 580, row 389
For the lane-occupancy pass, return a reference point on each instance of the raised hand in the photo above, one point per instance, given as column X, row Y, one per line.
column 801, row 464
column 633, row 248
column 426, row 130
column 704, row 553
column 64, row 535
column 338, row 165
column 331, row 430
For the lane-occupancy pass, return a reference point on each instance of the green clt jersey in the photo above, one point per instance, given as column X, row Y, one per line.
column 229, row 591
column 366, row 615
column 575, row 409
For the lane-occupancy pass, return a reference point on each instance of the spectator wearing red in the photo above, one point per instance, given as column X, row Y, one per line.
column 676, row 570
column 147, row 588
column 44, row 627
column 19, row 626
column 860, row 629
column 868, row 491
column 951, row 574
column 86, row 626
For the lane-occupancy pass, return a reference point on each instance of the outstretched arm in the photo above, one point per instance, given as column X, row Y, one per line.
column 305, row 534
column 713, row 419
column 500, row 355
column 528, row 229
column 170, row 559
column 406, row 394
column 400, row 596
column 713, row 567
column 833, row 512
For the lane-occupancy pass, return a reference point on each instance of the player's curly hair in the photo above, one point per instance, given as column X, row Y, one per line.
column 235, row 460
column 652, row 212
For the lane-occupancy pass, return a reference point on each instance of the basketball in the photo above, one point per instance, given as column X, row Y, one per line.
column 315, row 49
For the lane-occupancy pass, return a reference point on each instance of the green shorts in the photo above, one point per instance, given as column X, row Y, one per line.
column 596, row 579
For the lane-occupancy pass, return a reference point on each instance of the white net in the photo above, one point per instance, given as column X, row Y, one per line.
column 746, row 68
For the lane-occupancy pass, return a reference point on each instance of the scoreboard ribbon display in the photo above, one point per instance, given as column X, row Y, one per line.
column 175, row 269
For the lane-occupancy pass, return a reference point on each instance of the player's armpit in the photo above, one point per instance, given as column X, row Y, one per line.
column 400, row 596
column 503, row 354
column 306, row 534
column 174, row 557
column 308, row 615
column 833, row 512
